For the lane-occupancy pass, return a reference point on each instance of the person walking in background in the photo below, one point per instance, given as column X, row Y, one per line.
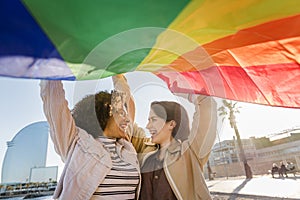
column 175, row 169
column 274, row 169
column 290, row 166
column 282, row 169
column 99, row 163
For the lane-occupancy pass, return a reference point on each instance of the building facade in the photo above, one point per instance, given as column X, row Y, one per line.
column 27, row 150
column 261, row 153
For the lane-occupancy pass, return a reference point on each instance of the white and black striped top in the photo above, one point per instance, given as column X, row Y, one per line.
column 121, row 182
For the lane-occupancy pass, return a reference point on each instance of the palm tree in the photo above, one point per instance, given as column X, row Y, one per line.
column 210, row 175
column 232, row 108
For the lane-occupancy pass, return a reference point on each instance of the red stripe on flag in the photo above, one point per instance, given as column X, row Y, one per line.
column 274, row 85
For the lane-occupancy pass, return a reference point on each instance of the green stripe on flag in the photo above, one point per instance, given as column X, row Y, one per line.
column 77, row 27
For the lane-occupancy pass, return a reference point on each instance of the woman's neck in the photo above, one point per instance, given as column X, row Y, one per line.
column 110, row 129
column 106, row 132
column 165, row 145
column 113, row 131
column 162, row 149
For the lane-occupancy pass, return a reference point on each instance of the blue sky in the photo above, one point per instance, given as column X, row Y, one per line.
column 21, row 105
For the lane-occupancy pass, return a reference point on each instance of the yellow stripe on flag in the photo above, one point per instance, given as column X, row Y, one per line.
column 204, row 21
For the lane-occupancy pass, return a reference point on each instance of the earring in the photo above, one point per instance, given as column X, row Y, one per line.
column 110, row 111
column 171, row 127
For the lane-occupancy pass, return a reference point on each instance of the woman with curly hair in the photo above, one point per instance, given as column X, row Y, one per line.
column 93, row 142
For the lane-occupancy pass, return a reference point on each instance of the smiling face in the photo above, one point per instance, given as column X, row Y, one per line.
column 119, row 118
column 160, row 130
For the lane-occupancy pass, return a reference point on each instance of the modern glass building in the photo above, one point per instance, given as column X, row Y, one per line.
column 27, row 150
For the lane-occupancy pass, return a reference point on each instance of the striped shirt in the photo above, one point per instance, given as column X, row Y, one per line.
column 122, row 180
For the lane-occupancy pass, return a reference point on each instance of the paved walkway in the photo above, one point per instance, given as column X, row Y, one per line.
column 259, row 187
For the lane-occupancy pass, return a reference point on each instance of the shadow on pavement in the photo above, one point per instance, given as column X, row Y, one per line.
column 226, row 196
column 236, row 190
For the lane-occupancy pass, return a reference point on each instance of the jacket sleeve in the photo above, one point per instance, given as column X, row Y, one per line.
column 136, row 134
column 204, row 127
column 141, row 143
column 59, row 117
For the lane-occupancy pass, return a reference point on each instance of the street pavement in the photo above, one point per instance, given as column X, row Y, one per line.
column 259, row 187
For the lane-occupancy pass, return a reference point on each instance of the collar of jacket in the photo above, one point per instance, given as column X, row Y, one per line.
column 174, row 147
column 173, row 153
column 95, row 148
column 123, row 143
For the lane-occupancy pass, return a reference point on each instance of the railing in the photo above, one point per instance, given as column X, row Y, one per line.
column 22, row 189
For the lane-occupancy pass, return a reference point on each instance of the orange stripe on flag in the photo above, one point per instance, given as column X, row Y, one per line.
column 274, row 42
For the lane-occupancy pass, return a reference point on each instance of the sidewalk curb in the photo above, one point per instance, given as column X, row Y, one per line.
column 234, row 195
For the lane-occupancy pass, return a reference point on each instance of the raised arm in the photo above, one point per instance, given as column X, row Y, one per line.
column 136, row 134
column 59, row 117
column 204, row 127
column 120, row 84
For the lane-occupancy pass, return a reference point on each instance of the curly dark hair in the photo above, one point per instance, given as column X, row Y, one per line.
column 93, row 112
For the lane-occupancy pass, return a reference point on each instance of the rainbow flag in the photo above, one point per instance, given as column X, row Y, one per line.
column 241, row 50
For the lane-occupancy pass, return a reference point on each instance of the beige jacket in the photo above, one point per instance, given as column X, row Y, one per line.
column 183, row 163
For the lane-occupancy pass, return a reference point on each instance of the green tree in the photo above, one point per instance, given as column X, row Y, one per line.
column 230, row 108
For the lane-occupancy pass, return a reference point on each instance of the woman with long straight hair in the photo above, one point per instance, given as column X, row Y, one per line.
column 175, row 169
